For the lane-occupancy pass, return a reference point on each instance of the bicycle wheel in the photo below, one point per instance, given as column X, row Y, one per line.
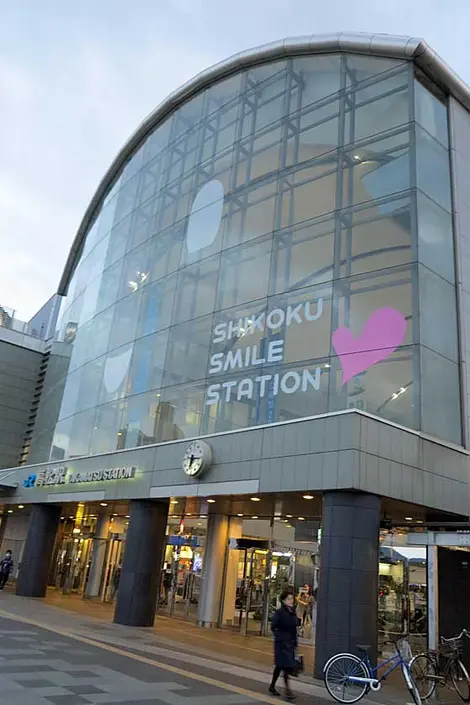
column 460, row 679
column 338, row 672
column 410, row 683
column 424, row 671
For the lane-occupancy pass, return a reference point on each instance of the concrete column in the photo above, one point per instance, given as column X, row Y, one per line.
column 37, row 554
column 98, row 556
column 213, row 570
column 140, row 578
column 349, row 567
column 231, row 573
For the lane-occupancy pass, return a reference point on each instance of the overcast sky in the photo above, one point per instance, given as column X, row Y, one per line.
column 76, row 78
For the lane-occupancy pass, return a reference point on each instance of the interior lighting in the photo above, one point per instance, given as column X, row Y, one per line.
column 173, row 501
column 308, row 496
column 255, row 499
column 301, row 518
column 10, row 511
column 408, row 518
column 254, row 517
column 401, row 391
column 127, row 516
column 114, row 515
column 21, row 506
column 289, row 516
column 103, row 504
column 211, row 501
column 239, row 515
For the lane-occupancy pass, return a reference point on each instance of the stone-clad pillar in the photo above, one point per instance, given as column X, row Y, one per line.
column 349, row 567
column 37, row 553
column 140, row 578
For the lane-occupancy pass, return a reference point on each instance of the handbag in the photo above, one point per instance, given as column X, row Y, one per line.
column 298, row 665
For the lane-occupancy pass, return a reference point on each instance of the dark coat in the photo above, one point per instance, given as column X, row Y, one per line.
column 6, row 565
column 284, row 627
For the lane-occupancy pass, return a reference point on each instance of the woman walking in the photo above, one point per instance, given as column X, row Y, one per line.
column 284, row 627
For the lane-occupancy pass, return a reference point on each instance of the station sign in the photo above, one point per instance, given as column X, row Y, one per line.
column 64, row 476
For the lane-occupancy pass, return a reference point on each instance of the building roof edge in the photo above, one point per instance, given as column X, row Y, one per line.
column 379, row 45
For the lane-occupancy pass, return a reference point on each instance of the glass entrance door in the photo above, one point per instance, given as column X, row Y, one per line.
column 73, row 564
column 112, row 569
column 251, row 598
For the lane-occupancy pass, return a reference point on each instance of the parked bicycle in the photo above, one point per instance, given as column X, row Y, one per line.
column 349, row 677
column 443, row 667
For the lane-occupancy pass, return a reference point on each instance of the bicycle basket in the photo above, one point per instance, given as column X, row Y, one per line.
column 404, row 648
column 450, row 647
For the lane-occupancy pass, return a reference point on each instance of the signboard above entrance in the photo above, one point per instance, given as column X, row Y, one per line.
column 63, row 476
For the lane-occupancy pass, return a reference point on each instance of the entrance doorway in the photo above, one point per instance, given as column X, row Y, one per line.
column 72, row 565
column 112, row 569
column 181, row 577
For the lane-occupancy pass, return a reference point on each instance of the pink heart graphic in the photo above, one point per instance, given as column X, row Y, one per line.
column 383, row 332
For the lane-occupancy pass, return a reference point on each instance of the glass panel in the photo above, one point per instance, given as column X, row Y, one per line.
column 431, row 113
column 106, row 428
column 432, row 169
column 180, row 412
column 302, row 255
column 90, row 383
column 126, row 316
column 195, row 292
column 61, row 439
column 165, row 251
column 188, row 352
column 249, row 213
column 133, row 165
column 126, row 198
column 257, row 156
column 435, row 238
column 118, row 239
column 140, row 420
column 98, row 334
column 387, row 388
column 382, row 113
column 158, row 140
column 313, row 78
column 312, row 133
column 232, row 402
column 116, row 374
column 440, row 397
column 148, row 362
column 309, row 191
column 438, row 317
column 109, row 287
column 305, row 330
column 79, row 441
column 203, row 231
column 157, row 305
column 295, row 391
column 377, row 170
column 222, row 93
column 244, row 273
column 361, row 68
column 70, row 396
column 135, row 271
column 376, row 238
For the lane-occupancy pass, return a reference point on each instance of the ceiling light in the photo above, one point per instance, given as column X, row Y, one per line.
column 114, row 515
column 289, row 516
column 188, row 514
column 255, row 499
column 211, row 501
column 173, row 501
column 127, row 516
column 103, row 504
column 62, row 518
column 203, row 516
column 408, row 518
column 308, row 496
column 254, row 517
column 239, row 515
column 301, row 518
column 21, row 506
column 10, row 511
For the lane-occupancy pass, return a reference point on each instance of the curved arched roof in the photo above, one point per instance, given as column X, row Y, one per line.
column 380, row 45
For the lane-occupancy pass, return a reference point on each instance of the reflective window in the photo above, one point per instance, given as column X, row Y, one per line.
column 432, row 169
column 244, row 273
column 431, row 113
column 188, row 351
column 195, row 291
column 376, row 238
column 148, row 363
column 280, row 246
column 157, row 305
column 437, row 314
column 435, row 238
column 440, row 399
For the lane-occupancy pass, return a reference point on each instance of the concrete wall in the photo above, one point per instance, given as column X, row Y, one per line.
column 349, row 450
column 13, row 536
column 18, row 377
column 49, row 405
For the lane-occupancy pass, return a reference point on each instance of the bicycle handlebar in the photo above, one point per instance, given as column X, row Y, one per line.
column 463, row 633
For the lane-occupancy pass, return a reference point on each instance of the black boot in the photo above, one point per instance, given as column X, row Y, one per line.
column 273, row 691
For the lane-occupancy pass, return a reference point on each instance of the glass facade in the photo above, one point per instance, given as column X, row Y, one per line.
column 281, row 246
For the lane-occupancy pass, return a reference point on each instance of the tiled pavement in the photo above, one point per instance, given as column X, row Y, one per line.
column 39, row 668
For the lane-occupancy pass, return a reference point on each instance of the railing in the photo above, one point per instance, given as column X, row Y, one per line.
column 8, row 320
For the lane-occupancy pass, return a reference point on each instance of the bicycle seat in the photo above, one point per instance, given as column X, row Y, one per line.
column 364, row 647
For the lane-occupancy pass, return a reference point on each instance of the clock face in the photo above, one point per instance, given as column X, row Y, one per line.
column 196, row 458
